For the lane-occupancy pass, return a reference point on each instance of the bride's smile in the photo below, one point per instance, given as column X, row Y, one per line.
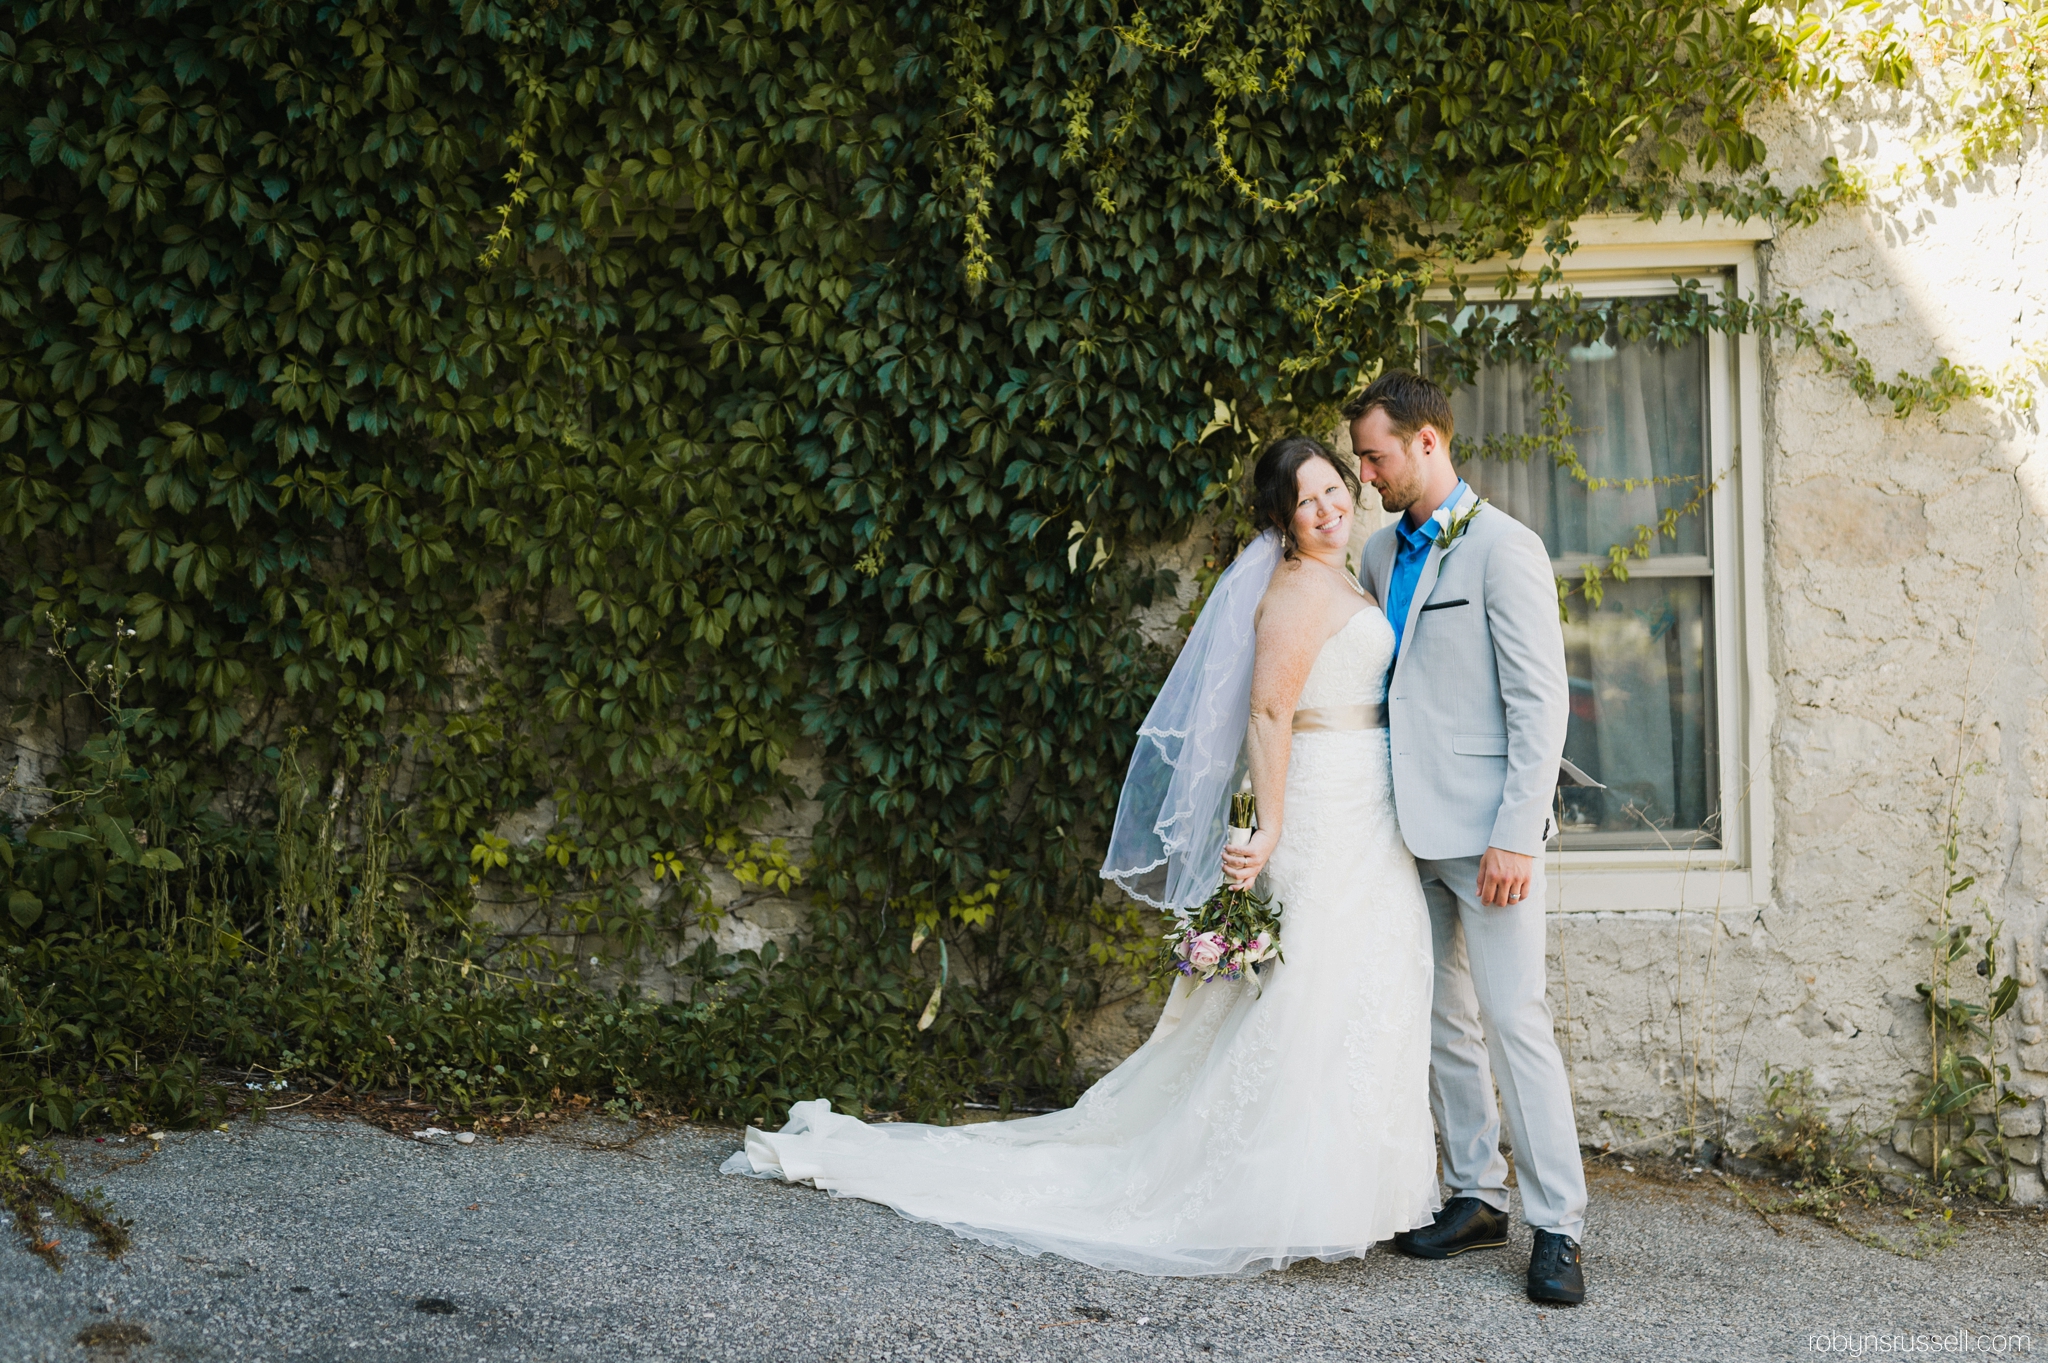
column 1322, row 516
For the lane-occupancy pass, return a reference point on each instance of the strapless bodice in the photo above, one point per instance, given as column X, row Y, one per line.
column 1352, row 668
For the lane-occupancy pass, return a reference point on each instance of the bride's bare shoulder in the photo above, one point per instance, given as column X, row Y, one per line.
column 1299, row 594
column 1295, row 579
column 1293, row 572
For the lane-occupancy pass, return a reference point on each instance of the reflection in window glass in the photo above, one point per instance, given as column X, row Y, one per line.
column 1642, row 716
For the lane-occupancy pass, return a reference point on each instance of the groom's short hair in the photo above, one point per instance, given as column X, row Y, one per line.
column 1409, row 400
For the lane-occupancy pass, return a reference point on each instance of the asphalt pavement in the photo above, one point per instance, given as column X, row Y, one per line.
column 320, row 1239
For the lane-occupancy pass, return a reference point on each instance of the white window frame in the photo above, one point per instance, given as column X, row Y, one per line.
column 1629, row 256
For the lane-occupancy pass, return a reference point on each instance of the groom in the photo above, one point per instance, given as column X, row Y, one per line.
column 1476, row 708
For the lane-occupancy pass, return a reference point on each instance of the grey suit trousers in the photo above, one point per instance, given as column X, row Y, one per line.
column 1490, row 1025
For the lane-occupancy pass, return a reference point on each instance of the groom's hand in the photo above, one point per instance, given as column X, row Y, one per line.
column 1504, row 878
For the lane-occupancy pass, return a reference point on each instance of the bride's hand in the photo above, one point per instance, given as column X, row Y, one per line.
column 1241, row 865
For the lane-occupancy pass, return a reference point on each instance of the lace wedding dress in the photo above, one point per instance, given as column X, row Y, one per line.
column 1260, row 1124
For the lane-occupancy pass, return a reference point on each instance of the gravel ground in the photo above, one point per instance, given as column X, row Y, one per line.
column 318, row 1239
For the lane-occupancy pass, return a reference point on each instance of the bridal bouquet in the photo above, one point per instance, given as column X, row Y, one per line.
column 1234, row 930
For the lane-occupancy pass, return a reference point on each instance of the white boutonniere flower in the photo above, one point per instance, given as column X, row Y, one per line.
column 1458, row 525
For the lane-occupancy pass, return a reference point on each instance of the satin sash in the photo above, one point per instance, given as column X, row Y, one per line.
column 1339, row 719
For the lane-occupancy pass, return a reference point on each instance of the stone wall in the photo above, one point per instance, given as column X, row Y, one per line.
column 747, row 916
column 1902, row 578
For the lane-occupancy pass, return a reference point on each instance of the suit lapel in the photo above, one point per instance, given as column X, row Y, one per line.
column 1432, row 569
column 1383, row 560
column 1424, row 585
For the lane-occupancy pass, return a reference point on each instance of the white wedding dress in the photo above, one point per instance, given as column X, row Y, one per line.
column 1258, row 1125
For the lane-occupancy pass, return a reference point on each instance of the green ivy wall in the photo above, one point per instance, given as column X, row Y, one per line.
column 589, row 402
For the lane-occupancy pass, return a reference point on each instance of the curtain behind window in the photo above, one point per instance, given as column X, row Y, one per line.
column 1637, row 411
column 1641, row 663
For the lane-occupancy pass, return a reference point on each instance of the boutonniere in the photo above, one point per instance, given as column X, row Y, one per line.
column 1458, row 526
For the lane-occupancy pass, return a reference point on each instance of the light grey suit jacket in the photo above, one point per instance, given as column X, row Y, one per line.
column 1478, row 700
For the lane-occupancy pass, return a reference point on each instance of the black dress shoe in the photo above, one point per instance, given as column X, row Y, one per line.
column 1464, row 1223
column 1554, row 1271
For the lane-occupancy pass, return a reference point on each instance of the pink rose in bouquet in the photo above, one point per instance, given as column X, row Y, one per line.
column 1205, row 949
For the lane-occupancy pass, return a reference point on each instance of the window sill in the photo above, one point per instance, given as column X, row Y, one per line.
column 1601, row 882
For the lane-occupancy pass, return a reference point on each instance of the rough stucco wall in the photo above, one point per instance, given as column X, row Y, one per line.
column 1903, row 573
column 1901, row 563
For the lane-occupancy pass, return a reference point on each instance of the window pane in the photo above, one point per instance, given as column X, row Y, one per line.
column 1638, row 412
column 1641, row 667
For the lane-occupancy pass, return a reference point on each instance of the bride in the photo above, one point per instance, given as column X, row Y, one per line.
column 1265, row 1121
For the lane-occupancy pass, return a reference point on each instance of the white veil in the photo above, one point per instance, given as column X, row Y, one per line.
column 1167, row 845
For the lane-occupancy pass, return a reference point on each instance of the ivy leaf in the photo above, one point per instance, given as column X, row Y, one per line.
column 24, row 908
column 116, row 839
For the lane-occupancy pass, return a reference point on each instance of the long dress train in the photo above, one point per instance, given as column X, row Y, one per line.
column 1259, row 1125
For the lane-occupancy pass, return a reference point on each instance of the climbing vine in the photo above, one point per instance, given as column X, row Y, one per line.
column 1982, row 73
column 572, row 410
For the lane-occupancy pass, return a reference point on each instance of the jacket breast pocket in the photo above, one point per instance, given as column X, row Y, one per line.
column 1480, row 745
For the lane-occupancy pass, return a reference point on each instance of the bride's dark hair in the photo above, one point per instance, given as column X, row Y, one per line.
column 1276, row 480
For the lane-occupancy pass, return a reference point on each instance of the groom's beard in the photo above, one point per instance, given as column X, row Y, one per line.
column 1396, row 497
